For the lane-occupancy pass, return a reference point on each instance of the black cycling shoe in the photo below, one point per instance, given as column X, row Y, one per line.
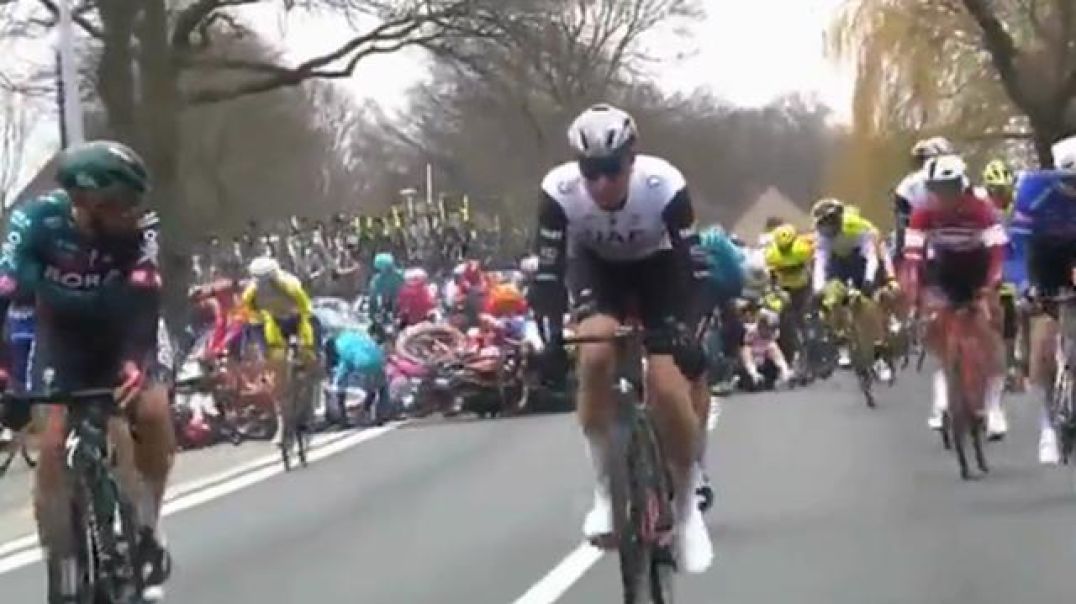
column 156, row 565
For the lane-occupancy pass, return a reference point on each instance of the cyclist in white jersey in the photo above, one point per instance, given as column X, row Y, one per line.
column 911, row 192
column 620, row 227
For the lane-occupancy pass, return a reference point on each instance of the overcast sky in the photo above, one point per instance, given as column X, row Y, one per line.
column 747, row 51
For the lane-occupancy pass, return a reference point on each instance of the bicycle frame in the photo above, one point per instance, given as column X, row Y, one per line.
column 1063, row 394
column 965, row 365
column 640, row 484
column 108, row 566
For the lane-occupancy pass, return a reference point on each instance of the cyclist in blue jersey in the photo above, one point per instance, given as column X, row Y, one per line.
column 86, row 254
column 1044, row 228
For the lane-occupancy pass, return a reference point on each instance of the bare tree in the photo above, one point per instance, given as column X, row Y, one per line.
column 155, row 59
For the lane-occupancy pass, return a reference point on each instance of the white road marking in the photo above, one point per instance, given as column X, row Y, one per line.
column 24, row 550
column 556, row 582
column 562, row 577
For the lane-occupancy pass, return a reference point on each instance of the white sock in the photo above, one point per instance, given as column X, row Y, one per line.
column 941, row 391
column 704, row 432
column 994, row 388
column 1044, row 419
column 598, row 452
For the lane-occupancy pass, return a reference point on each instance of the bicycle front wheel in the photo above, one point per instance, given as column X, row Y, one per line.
column 634, row 562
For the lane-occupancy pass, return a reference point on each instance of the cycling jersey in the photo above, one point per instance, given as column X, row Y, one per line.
column 968, row 243
column 282, row 306
column 856, row 237
column 656, row 220
column 792, row 267
column 912, row 189
column 1044, row 227
column 281, row 297
column 384, row 291
column 97, row 300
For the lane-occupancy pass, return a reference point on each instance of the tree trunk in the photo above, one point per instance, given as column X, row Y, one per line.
column 115, row 80
column 160, row 107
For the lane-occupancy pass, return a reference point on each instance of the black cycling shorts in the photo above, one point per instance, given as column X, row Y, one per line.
column 1050, row 264
column 86, row 356
column 960, row 276
column 654, row 289
column 850, row 268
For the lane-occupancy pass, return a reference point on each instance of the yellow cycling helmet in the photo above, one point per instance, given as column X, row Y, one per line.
column 784, row 236
column 998, row 174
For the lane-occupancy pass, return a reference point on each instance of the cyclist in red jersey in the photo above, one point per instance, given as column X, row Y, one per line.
column 968, row 242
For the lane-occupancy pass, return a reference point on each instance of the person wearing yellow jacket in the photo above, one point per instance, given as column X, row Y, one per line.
column 789, row 257
column 276, row 300
column 278, row 309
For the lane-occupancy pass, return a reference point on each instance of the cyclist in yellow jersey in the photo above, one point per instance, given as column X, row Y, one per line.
column 788, row 258
column 846, row 246
column 279, row 308
column 276, row 300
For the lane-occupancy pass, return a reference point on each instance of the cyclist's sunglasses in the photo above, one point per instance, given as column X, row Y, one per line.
column 594, row 168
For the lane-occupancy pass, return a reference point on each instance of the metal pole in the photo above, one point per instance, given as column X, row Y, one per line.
column 72, row 106
column 429, row 185
column 60, row 100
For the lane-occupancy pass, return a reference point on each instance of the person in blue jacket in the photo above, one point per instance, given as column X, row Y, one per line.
column 727, row 279
column 1044, row 231
column 355, row 358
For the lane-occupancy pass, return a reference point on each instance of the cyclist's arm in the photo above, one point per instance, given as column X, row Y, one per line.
column 821, row 260
column 144, row 279
column 995, row 240
column 868, row 247
column 549, row 297
column 915, row 241
column 679, row 217
column 902, row 213
column 248, row 301
column 20, row 268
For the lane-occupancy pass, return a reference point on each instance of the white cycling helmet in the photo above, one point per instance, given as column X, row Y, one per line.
column 1064, row 152
column 932, row 147
column 529, row 265
column 264, row 267
column 769, row 318
column 602, row 131
column 946, row 168
column 415, row 275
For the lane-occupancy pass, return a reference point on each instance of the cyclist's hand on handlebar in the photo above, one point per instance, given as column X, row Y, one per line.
column 131, row 380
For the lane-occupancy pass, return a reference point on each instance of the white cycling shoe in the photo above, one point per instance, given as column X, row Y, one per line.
column 997, row 426
column 694, row 551
column 1048, row 453
column 598, row 524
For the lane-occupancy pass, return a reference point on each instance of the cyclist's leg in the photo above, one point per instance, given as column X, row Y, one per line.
column 154, row 451
column 673, row 365
column 1050, row 267
column 268, row 338
column 606, row 299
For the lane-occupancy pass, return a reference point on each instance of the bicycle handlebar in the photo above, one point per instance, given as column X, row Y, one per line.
column 69, row 398
column 622, row 333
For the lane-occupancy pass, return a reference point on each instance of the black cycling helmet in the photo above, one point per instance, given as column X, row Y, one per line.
column 105, row 166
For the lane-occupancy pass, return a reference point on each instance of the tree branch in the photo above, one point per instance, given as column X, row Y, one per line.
column 1003, row 53
column 77, row 16
column 391, row 36
column 188, row 21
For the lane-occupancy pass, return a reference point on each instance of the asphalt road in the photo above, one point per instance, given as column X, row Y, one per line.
column 819, row 500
